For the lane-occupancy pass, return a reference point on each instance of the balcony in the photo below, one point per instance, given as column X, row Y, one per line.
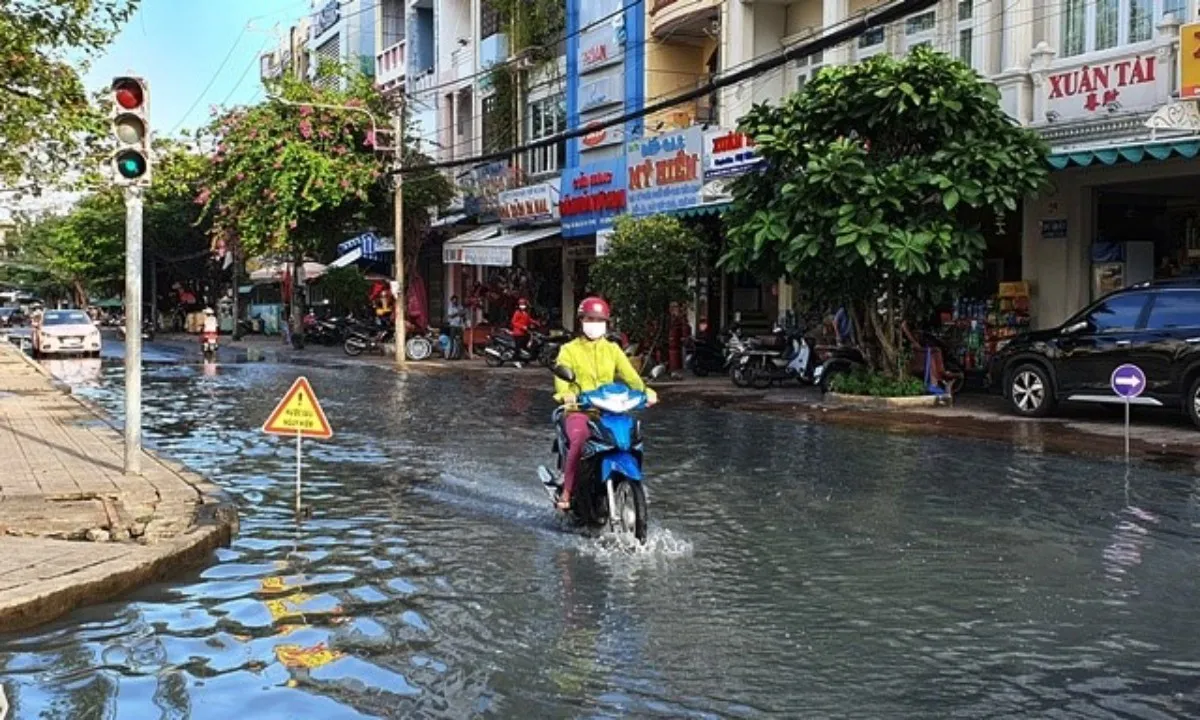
column 464, row 62
column 389, row 67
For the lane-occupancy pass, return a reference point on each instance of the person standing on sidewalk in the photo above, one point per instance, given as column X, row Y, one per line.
column 454, row 323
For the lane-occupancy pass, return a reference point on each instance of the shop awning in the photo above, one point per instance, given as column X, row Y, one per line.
column 713, row 208
column 494, row 250
column 1159, row 150
column 448, row 220
column 347, row 259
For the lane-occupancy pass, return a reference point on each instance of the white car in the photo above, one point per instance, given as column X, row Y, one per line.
column 65, row 332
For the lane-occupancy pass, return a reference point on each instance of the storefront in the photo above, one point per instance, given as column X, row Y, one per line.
column 1123, row 204
column 495, row 265
column 593, row 195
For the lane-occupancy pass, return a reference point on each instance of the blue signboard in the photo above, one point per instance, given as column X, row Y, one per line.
column 665, row 172
column 591, row 196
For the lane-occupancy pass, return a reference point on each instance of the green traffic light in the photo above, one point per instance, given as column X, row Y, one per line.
column 131, row 165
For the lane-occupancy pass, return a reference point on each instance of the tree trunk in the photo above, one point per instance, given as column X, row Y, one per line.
column 80, row 293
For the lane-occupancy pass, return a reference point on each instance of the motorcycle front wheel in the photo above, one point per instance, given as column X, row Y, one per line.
column 630, row 515
column 492, row 360
column 741, row 375
column 418, row 348
column 354, row 346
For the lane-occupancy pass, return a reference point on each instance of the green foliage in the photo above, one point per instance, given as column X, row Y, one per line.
column 47, row 124
column 78, row 255
column 533, row 28
column 877, row 179
column 299, row 173
column 875, row 384
column 649, row 264
column 347, row 288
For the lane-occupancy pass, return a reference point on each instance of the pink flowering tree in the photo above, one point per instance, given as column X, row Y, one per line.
column 295, row 176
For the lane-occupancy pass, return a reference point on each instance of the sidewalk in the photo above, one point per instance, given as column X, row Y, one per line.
column 74, row 529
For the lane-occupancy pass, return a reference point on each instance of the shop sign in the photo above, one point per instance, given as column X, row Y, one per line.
column 535, row 203
column 665, row 172
column 1189, row 61
column 602, row 45
column 728, row 152
column 607, row 88
column 601, row 137
column 481, row 188
column 326, row 18
column 1084, row 91
column 1054, row 229
column 592, row 195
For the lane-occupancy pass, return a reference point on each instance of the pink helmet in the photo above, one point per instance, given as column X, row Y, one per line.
column 594, row 307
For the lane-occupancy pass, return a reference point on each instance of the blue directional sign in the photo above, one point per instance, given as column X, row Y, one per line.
column 1128, row 381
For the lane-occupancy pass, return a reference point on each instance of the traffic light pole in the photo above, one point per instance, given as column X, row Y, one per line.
column 400, row 302
column 133, row 331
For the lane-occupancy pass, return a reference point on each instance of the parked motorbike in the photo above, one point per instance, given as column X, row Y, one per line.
column 704, row 356
column 209, row 345
column 608, row 488
column 784, row 355
column 362, row 338
column 147, row 330
column 502, row 348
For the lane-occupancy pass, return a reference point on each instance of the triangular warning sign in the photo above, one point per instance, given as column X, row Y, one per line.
column 299, row 413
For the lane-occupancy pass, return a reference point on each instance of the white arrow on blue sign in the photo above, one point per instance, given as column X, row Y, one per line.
column 1128, row 381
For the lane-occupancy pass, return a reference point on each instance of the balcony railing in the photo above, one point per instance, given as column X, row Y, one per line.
column 464, row 62
column 389, row 66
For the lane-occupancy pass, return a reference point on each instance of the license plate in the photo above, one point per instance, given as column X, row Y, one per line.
column 72, row 341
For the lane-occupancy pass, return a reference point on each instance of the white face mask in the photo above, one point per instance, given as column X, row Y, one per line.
column 594, row 330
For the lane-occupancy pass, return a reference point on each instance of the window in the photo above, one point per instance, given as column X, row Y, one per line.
column 966, row 33
column 1094, row 25
column 1175, row 309
column 919, row 30
column 1117, row 313
column 489, row 20
column 547, row 117
column 870, row 43
column 807, row 68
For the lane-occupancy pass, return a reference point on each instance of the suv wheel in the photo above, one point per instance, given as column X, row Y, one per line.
column 1029, row 391
column 1193, row 402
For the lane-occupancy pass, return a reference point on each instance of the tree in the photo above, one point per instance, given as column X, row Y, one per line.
column 347, row 288
column 878, row 178
column 298, row 174
column 649, row 265
column 80, row 254
column 46, row 121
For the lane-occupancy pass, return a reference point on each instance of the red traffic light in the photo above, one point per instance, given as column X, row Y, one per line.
column 128, row 93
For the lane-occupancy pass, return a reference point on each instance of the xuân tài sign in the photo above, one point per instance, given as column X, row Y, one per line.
column 1189, row 61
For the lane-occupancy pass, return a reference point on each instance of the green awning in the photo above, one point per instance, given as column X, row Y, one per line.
column 1127, row 153
column 109, row 303
column 715, row 208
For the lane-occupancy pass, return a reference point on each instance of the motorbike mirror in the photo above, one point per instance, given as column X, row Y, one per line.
column 562, row 372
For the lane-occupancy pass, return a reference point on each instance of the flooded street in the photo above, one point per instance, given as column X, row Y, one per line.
column 793, row 571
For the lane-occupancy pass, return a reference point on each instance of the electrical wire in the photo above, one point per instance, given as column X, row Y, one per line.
column 211, row 81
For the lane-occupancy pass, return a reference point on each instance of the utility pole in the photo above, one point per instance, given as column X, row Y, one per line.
column 401, row 299
column 133, row 330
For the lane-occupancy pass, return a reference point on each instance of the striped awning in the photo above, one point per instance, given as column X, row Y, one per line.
column 1160, row 150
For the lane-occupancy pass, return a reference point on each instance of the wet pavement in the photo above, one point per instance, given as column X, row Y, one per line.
column 794, row 570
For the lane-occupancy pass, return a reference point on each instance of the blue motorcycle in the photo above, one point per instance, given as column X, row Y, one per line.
column 610, row 470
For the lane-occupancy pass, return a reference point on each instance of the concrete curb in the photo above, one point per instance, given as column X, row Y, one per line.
column 890, row 403
column 213, row 524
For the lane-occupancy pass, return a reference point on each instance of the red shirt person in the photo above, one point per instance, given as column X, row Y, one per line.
column 521, row 322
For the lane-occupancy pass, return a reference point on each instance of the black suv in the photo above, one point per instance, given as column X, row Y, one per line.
column 1155, row 326
column 12, row 317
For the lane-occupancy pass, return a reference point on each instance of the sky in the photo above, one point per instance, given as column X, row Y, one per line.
column 181, row 46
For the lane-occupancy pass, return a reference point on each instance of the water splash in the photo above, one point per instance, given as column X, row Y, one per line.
column 660, row 544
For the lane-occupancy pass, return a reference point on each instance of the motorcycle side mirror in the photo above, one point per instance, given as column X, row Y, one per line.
column 562, row 372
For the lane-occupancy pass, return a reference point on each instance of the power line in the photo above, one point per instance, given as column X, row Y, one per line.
column 211, row 80
column 828, row 40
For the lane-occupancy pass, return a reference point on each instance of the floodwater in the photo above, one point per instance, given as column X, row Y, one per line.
column 793, row 571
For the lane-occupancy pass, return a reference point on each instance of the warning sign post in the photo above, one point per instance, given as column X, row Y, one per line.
column 299, row 414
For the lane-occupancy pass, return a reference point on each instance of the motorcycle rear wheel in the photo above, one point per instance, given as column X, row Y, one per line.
column 354, row 346
column 418, row 348
column 631, row 515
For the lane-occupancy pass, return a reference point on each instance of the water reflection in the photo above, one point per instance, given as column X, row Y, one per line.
column 795, row 571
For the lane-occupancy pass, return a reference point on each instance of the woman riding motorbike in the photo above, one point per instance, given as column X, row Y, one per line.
column 595, row 361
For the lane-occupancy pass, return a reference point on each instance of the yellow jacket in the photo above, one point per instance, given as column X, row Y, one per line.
column 595, row 363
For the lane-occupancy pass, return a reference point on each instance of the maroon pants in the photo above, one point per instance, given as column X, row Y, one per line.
column 576, row 425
